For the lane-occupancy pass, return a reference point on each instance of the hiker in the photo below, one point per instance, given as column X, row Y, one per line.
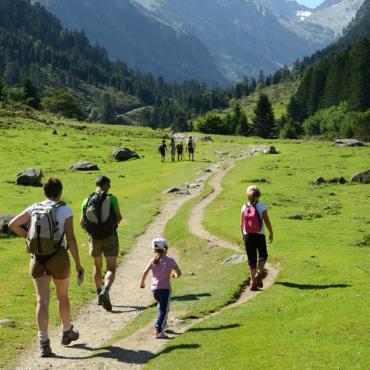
column 163, row 267
column 190, row 147
column 48, row 222
column 173, row 149
column 253, row 216
column 100, row 218
column 180, row 149
column 162, row 150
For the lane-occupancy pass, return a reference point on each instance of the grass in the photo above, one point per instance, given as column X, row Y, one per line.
column 30, row 142
column 316, row 316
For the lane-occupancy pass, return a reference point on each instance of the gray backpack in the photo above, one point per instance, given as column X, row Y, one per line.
column 44, row 237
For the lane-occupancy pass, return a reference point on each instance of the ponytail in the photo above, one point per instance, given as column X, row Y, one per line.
column 157, row 256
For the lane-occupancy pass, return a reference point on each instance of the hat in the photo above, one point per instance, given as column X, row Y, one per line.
column 252, row 188
column 159, row 244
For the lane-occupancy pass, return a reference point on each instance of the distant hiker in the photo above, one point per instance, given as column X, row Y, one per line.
column 253, row 216
column 190, row 147
column 100, row 218
column 180, row 149
column 163, row 267
column 173, row 149
column 48, row 222
column 162, row 150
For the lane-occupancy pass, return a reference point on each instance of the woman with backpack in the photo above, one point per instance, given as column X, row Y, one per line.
column 253, row 217
column 48, row 222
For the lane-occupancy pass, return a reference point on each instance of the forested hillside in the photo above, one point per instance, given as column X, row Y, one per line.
column 34, row 45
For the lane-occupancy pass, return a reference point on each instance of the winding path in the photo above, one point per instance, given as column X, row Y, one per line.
column 96, row 326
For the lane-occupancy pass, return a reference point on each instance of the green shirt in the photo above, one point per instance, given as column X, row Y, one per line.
column 113, row 202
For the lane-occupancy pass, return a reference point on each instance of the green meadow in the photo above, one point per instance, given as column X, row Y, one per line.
column 27, row 142
column 316, row 315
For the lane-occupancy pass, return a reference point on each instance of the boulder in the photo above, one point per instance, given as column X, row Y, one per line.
column 208, row 170
column 177, row 191
column 348, row 143
column 235, row 259
column 29, row 177
column 337, row 180
column 4, row 222
column 221, row 152
column 84, row 166
column 319, row 180
column 124, row 154
column 207, row 139
column 363, row 176
column 270, row 150
column 259, row 179
column 193, row 186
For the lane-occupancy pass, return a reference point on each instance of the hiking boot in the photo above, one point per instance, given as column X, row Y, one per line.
column 45, row 349
column 69, row 336
column 259, row 281
column 105, row 301
column 99, row 300
column 254, row 287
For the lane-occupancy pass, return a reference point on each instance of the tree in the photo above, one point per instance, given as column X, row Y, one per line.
column 212, row 124
column 243, row 127
column 63, row 102
column 106, row 110
column 263, row 120
column 30, row 93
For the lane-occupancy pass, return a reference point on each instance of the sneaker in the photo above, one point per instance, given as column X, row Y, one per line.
column 254, row 287
column 45, row 349
column 69, row 336
column 99, row 301
column 161, row 335
column 105, row 301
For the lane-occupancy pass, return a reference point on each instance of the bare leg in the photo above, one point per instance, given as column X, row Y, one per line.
column 42, row 286
column 61, row 286
column 111, row 271
column 98, row 265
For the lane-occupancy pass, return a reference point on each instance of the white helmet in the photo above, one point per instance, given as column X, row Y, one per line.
column 159, row 244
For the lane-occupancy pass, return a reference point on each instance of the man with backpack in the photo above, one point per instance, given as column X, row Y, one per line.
column 48, row 222
column 190, row 147
column 100, row 218
column 162, row 150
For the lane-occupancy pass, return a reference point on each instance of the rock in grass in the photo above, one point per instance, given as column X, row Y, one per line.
column 30, row 177
column 179, row 191
column 363, row 176
column 84, row 166
column 124, row 154
column 319, row 180
column 337, row 180
column 235, row 259
column 295, row 216
column 348, row 143
column 4, row 222
column 270, row 150
column 207, row 139
column 259, row 179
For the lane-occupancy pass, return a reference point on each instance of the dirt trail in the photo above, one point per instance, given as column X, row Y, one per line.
column 128, row 300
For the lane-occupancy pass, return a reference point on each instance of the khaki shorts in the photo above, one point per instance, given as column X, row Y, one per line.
column 58, row 266
column 109, row 247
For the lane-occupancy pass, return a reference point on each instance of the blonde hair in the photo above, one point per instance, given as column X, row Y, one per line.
column 158, row 255
column 253, row 194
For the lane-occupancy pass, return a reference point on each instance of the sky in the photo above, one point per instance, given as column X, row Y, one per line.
column 310, row 3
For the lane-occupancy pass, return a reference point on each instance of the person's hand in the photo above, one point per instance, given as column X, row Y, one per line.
column 173, row 274
column 80, row 270
column 142, row 285
column 271, row 237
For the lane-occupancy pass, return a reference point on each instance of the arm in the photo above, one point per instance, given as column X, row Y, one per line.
column 119, row 217
column 176, row 272
column 268, row 225
column 16, row 224
column 82, row 222
column 145, row 274
column 72, row 244
column 242, row 223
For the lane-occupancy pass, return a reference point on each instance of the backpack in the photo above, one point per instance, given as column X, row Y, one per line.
column 99, row 217
column 162, row 148
column 252, row 220
column 43, row 237
column 190, row 144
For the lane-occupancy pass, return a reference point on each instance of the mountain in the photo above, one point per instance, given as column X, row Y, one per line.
column 334, row 14
column 243, row 36
column 131, row 33
column 286, row 8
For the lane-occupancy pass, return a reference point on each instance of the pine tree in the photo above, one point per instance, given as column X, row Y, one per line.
column 264, row 120
column 243, row 127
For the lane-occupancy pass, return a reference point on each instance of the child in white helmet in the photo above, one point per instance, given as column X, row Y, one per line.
column 163, row 267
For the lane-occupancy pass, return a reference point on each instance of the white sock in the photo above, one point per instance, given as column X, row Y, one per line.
column 67, row 327
column 43, row 336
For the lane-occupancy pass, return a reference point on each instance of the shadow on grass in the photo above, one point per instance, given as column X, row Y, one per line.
column 311, row 286
column 177, row 347
column 220, row 327
column 190, row 297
